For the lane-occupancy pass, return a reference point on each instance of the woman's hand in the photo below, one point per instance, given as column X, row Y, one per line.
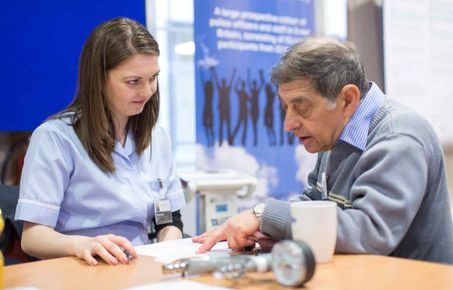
column 110, row 248
column 44, row 242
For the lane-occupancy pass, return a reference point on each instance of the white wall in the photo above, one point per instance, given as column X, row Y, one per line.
column 365, row 30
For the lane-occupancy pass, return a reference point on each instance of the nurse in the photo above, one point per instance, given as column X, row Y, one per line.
column 98, row 174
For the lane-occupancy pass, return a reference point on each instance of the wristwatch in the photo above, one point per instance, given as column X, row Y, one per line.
column 258, row 210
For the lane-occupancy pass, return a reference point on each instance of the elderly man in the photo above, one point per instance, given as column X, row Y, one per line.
column 378, row 160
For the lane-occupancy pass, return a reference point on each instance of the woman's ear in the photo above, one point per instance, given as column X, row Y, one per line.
column 351, row 99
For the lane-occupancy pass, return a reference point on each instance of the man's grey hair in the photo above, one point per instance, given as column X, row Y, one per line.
column 326, row 62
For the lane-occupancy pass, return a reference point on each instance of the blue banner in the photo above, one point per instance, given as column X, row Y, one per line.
column 240, row 124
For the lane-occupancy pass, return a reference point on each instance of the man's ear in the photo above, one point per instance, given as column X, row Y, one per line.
column 351, row 99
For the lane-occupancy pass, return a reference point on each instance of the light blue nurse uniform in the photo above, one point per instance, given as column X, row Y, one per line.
column 62, row 187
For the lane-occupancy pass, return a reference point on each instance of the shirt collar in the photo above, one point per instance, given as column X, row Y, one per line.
column 355, row 132
column 128, row 148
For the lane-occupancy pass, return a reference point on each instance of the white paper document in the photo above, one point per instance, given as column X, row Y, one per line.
column 181, row 284
column 169, row 251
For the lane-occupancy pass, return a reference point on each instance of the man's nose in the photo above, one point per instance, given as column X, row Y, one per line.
column 291, row 121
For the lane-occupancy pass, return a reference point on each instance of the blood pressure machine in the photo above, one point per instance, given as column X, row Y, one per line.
column 217, row 194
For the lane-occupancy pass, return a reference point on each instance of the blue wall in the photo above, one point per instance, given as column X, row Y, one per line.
column 40, row 45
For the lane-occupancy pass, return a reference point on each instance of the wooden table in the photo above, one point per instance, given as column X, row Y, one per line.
column 347, row 272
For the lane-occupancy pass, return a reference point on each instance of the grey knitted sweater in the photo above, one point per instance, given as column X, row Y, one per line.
column 392, row 197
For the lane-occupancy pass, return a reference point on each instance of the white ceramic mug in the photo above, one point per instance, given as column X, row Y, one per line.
column 315, row 223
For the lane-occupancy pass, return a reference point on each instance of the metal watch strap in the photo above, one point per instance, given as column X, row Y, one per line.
column 258, row 210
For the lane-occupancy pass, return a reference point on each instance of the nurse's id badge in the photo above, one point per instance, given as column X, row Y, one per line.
column 162, row 209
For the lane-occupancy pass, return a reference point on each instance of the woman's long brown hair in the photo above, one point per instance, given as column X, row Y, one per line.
column 108, row 45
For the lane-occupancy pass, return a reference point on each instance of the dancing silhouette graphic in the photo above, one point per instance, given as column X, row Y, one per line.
column 254, row 89
column 223, row 90
column 243, row 110
column 290, row 135
column 269, row 111
column 208, row 121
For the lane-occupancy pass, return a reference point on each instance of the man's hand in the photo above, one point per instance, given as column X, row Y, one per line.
column 237, row 230
column 266, row 243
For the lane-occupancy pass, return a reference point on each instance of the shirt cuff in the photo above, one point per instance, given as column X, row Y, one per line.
column 276, row 219
column 37, row 212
